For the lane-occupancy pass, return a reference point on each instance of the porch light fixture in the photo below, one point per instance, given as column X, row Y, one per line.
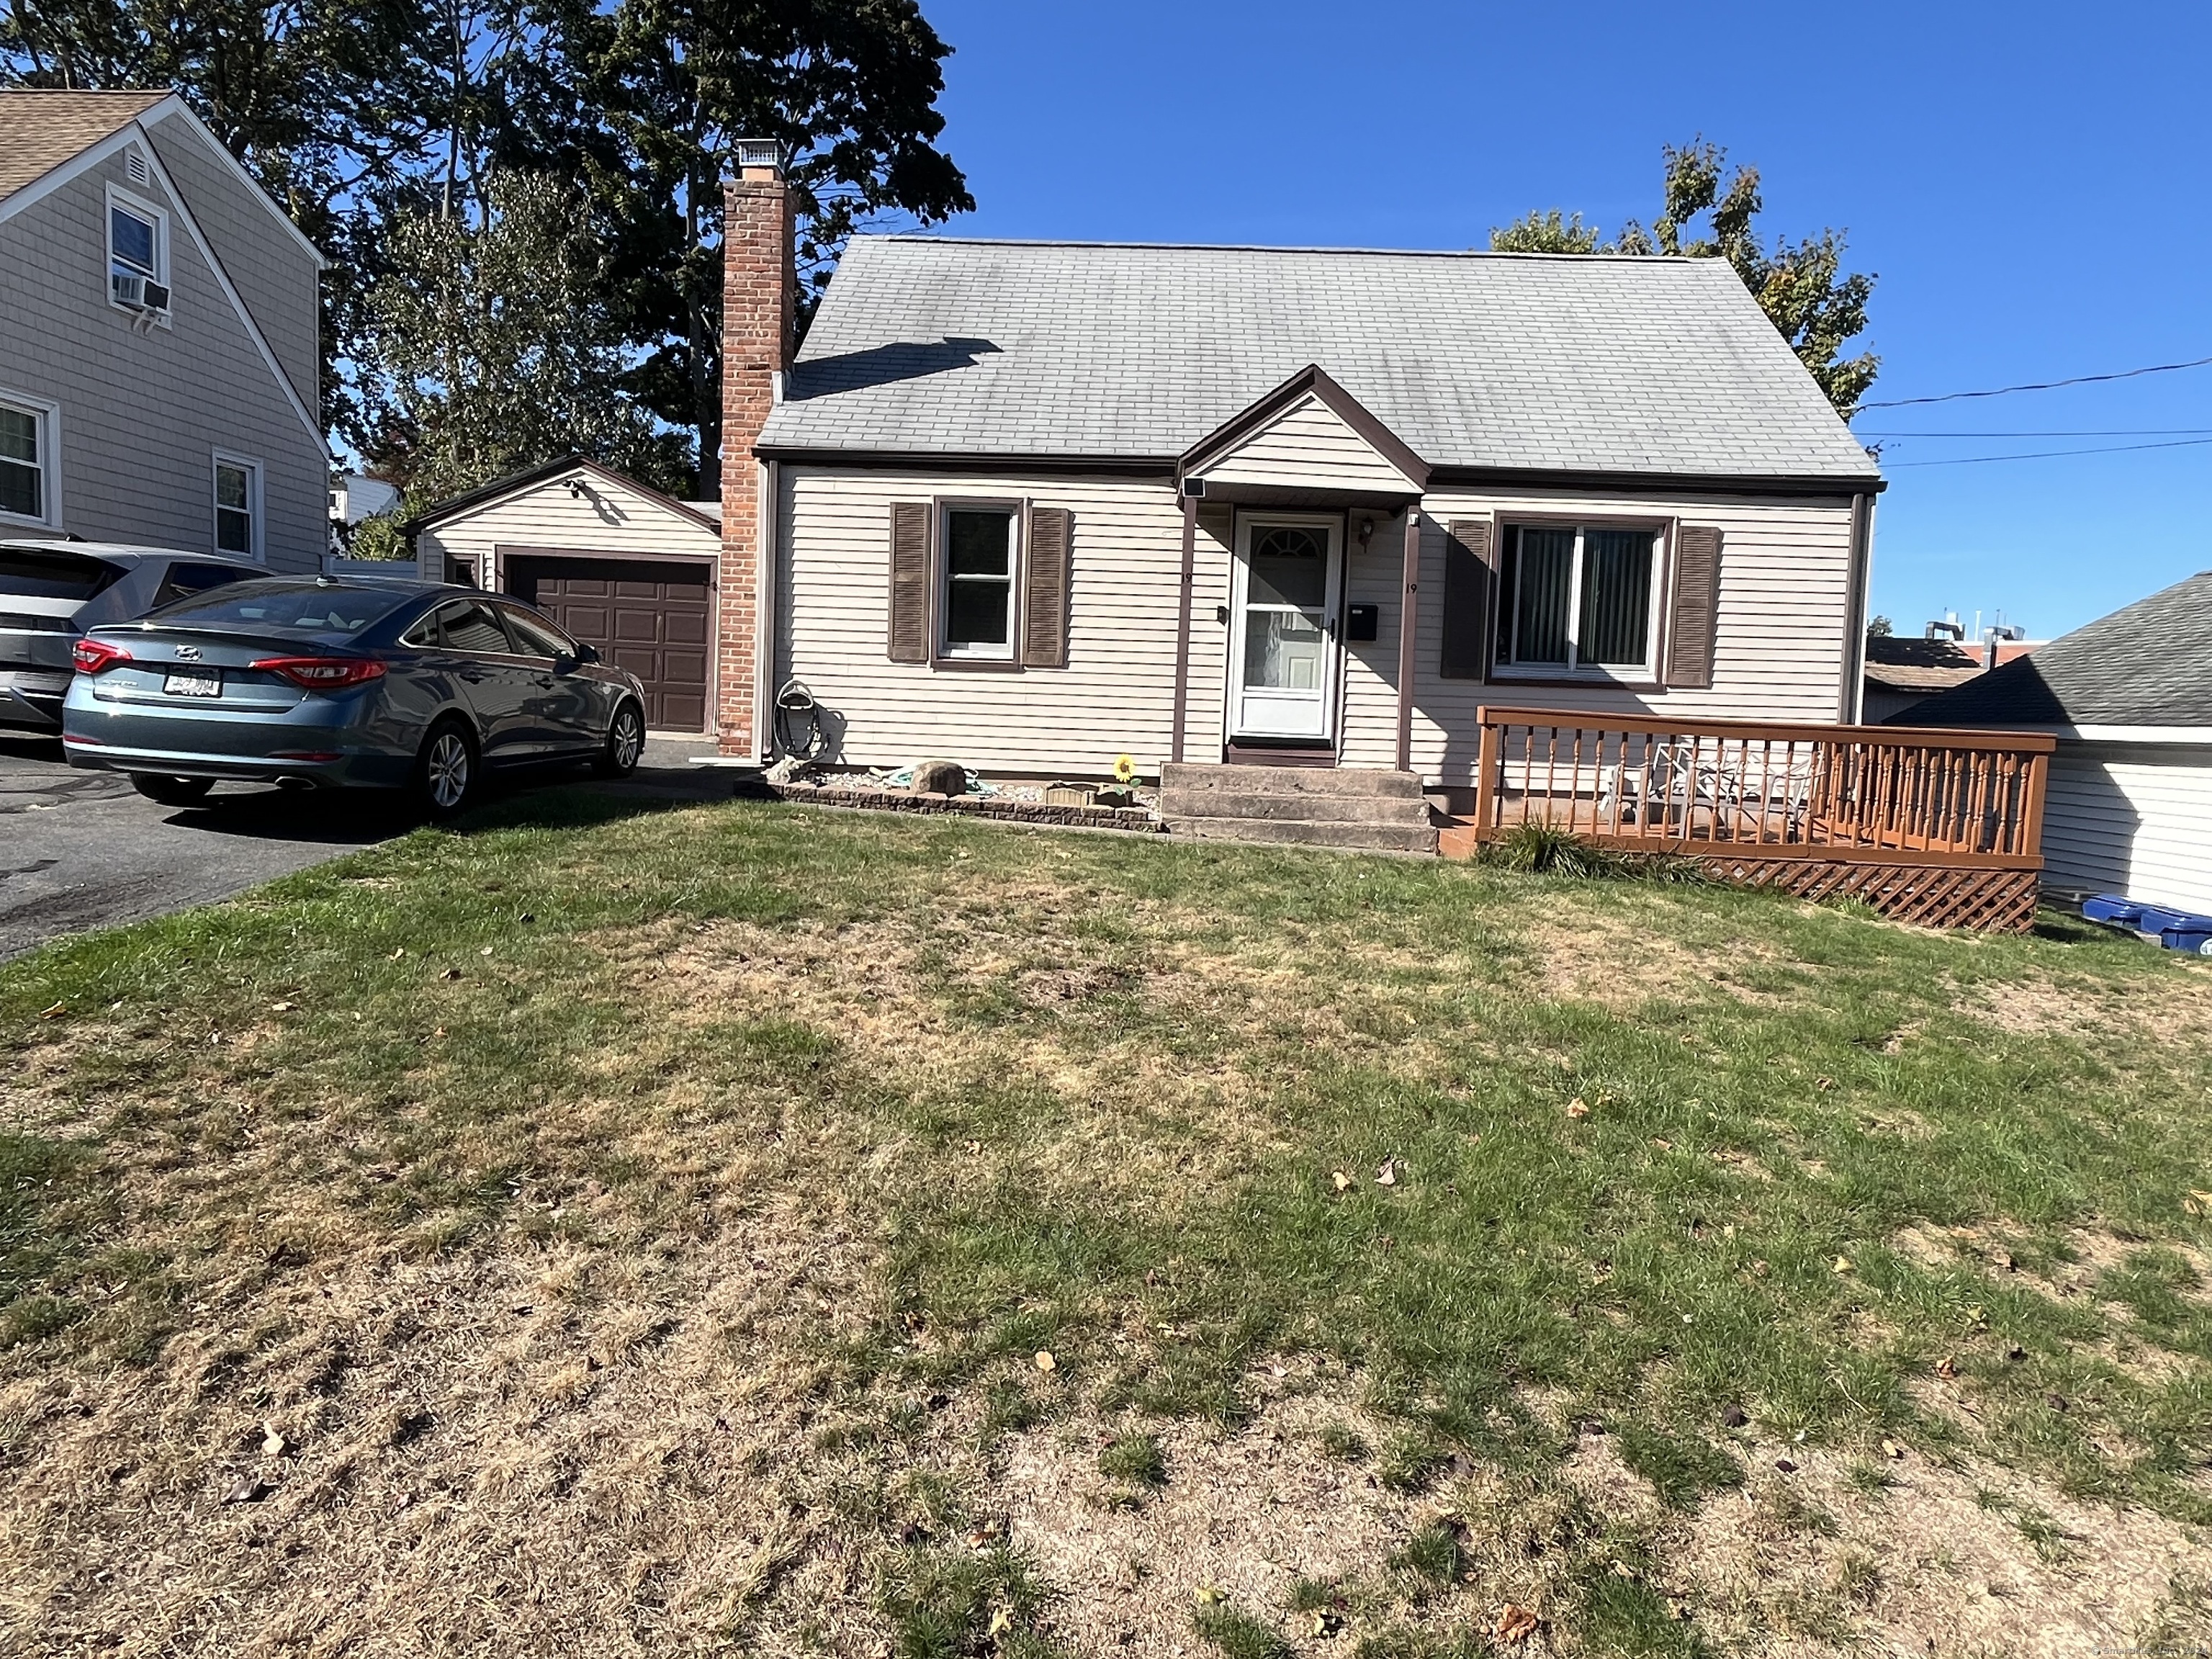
column 1366, row 530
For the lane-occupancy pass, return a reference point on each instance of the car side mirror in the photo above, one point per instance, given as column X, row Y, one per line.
column 586, row 655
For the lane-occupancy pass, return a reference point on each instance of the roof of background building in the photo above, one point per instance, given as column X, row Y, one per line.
column 938, row 345
column 2147, row 664
column 41, row 130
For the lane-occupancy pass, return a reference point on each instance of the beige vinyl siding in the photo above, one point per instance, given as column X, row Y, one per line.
column 143, row 412
column 2132, row 819
column 271, row 271
column 1115, row 696
column 1310, row 447
column 620, row 522
column 1779, row 654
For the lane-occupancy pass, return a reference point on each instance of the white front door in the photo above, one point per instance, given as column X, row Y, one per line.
column 1282, row 634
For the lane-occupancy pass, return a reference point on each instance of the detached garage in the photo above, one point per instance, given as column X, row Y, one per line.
column 2129, row 810
column 624, row 568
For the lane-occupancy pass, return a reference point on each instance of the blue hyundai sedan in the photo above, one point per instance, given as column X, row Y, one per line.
column 331, row 682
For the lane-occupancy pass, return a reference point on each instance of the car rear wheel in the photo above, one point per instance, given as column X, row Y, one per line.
column 172, row 791
column 625, row 743
column 445, row 770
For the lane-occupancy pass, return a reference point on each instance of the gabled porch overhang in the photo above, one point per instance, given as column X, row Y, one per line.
column 1308, row 445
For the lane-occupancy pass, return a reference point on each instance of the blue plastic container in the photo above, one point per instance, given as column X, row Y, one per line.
column 2112, row 908
column 2196, row 940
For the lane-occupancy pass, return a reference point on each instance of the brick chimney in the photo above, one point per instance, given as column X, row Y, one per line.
column 760, row 315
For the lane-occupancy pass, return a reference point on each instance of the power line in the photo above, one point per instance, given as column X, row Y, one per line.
column 2042, row 385
column 2047, row 454
column 2086, row 432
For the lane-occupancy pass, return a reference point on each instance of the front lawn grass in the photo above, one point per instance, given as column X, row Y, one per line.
column 795, row 1166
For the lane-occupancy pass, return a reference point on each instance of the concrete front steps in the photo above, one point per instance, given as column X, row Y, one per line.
column 1298, row 805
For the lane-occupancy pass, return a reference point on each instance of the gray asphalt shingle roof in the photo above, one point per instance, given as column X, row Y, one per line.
column 2147, row 664
column 939, row 345
column 39, row 130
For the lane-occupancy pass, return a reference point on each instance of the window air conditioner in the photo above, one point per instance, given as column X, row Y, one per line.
column 139, row 293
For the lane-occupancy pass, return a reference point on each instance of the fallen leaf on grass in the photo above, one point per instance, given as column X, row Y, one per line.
column 1515, row 1624
column 281, row 1007
column 248, row 1490
column 1045, row 1362
column 1001, row 1622
column 273, row 1443
column 451, row 973
column 1891, row 1448
column 2198, row 1203
column 1578, row 1108
column 485, row 951
column 56, row 1012
column 1842, row 1264
column 1947, row 1368
column 1387, row 1174
column 400, row 953
column 1341, row 1181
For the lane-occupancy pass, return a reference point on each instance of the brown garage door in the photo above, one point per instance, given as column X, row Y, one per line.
column 653, row 619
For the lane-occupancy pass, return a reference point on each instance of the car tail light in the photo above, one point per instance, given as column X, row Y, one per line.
column 323, row 673
column 93, row 656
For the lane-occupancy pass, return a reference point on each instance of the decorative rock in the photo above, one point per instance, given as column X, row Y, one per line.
column 939, row 777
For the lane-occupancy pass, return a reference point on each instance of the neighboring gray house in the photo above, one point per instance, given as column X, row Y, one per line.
column 159, row 351
column 2130, row 699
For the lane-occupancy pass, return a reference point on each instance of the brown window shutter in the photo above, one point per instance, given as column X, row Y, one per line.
column 1044, row 603
column 1697, row 607
column 1470, row 578
column 908, row 639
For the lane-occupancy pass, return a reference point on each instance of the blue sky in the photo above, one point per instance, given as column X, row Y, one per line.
column 2029, row 182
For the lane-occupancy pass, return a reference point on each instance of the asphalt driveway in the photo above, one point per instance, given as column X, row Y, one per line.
column 81, row 850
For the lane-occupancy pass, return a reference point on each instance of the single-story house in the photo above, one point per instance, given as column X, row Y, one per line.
column 624, row 568
column 1032, row 506
column 2129, row 807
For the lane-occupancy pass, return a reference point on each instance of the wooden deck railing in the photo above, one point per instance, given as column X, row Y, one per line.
column 1753, row 800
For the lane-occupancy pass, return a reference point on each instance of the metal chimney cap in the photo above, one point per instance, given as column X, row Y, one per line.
column 761, row 153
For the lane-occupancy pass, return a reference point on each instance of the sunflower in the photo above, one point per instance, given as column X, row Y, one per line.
column 1125, row 768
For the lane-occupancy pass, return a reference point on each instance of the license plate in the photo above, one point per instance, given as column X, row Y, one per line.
column 192, row 685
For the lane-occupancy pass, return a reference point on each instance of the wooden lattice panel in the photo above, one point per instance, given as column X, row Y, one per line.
column 1928, row 895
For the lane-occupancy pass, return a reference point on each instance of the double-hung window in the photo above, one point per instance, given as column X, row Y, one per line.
column 1578, row 600
column 137, row 253
column 238, row 507
column 27, row 461
column 981, row 550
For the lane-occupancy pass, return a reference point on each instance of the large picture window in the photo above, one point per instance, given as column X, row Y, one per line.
column 980, row 553
column 1578, row 599
column 27, row 461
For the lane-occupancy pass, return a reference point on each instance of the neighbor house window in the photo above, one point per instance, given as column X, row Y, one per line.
column 137, row 248
column 27, row 460
column 1578, row 599
column 238, row 507
column 980, row 549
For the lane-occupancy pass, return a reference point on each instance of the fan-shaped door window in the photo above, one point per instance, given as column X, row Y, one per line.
column 1285, row 655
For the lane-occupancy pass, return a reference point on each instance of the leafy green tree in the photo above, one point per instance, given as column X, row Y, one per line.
column 849, row 86
column 363, row 115
column 492, row 350
column 1814, row 305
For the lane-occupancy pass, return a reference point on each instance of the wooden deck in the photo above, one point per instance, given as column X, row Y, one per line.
column 1941, row 827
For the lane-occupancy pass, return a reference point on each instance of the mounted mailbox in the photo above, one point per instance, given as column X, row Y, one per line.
column 1360, row 622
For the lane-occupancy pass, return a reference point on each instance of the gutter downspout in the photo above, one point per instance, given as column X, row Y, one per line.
column 1409, row 620
column 1852, row 703
column 768, row 479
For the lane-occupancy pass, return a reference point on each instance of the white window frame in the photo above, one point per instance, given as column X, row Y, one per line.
column 48, row 415
column 159, row 218
column 1016, row 549
column 216, row 509
column 1503, row 667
